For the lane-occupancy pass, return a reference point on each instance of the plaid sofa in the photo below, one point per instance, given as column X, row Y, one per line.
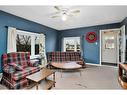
column 65, row 57
column 16, row 79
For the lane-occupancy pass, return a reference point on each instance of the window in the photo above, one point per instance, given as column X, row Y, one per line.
column 27, row 42
column 109, row 42
column 36, row 45
column 23, row 43
column 71, row 44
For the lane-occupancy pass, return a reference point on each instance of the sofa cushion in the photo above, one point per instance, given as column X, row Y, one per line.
column 67, row 56
column 27, row 71
column 9, row 69
column 63, row 56
column 77, row 56
column 21, row 58
column 72, row 57
column 57, row 56
column 16, row 66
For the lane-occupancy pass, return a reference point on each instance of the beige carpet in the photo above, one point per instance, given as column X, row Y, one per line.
column 93, row 77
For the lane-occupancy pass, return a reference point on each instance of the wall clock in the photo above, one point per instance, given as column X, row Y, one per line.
column 91, row 37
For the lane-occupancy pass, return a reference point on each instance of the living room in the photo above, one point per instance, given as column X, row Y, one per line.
column 56, row 37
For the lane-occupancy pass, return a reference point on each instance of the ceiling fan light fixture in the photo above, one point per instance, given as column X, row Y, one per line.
column 64, row 17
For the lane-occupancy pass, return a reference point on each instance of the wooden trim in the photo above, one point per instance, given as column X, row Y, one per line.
column 123, row 84
column 23, row 29
column 93, row 64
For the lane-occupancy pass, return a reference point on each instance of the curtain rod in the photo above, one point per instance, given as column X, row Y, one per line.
column 23, row 29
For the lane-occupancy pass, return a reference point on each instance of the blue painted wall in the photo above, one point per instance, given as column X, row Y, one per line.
column 17, row 22
column 90, row 50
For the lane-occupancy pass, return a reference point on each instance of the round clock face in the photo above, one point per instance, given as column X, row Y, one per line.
column 91, row 37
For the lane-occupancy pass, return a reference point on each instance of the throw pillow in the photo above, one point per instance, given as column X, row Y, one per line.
column 9, row 69
column 16, row 66
column 34, row 63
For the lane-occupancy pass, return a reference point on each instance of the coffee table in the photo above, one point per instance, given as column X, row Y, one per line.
column 42, row 75
column 67, row 66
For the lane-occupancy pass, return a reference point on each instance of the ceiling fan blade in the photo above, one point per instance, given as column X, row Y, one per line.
column 55, row 16
column 57, row 8
column 75, row 11
column 55, row 13
column 70, row 15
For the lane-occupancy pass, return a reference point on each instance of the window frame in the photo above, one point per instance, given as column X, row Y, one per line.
column 69, row 38
column 32, row 35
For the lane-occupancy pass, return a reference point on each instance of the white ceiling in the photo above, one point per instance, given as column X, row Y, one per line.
column 88, row 16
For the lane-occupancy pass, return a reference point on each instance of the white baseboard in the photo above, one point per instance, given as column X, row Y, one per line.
column 93, row 64
column 101, row 65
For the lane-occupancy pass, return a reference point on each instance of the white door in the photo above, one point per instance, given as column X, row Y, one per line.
column 109, row 46
column 122, row 44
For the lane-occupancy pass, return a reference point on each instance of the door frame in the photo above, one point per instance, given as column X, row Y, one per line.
column 124, row 45
column 115, row 29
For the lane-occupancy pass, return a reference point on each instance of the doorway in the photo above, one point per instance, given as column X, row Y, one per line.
column 109, row 47
column 112, row 46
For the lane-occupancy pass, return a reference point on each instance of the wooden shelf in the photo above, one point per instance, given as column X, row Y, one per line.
column 31, row 85
column 45, row 84
column 49, row 84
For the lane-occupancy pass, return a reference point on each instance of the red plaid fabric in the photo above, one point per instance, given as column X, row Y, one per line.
column 16, row 66
column 63, row 56
column 58, row 56
column 53, row 57
column 9, row 69
column 27, row 71
column 72, row 56
column 67, row 55
column 77, row 55
column 13, row 78
column 20, row 58
column 15, row 84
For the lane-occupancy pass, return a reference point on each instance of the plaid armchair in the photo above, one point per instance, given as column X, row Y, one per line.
column 15, row 78
column 65, row 56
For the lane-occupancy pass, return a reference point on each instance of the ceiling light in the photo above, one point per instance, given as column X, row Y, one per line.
column 64, row 17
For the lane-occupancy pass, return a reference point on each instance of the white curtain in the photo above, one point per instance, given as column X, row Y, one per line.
column 11, row 42
column 42, row 51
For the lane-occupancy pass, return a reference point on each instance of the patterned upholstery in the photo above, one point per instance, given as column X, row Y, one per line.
column 13, row 78
column 65, row 56
column 16, row 66
column 72, row 57
column 57, row 56
column 27, row 71
column 18, row 58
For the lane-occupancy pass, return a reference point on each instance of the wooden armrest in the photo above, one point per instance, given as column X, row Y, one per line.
column 123, row 66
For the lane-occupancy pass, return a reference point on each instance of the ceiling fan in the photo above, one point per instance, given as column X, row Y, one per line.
column 64, row 12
